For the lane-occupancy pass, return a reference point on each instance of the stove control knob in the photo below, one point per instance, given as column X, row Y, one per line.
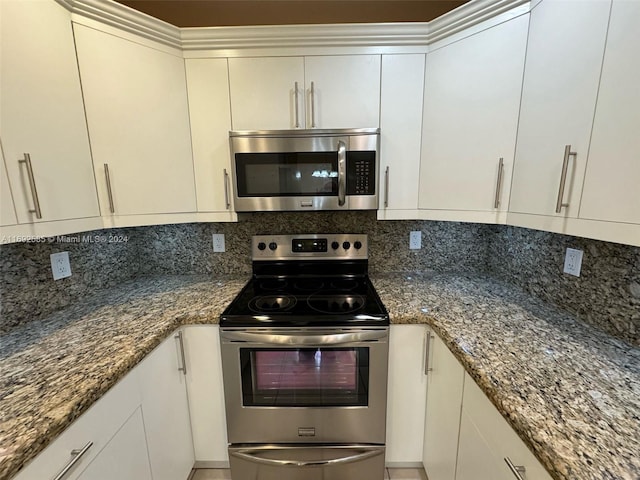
column 273, row 246
column 357, row 245
column 335, row 245
column 346, row 245
column 262, row 246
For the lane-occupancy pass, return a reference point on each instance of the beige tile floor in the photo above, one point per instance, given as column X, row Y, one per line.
column 390, row 474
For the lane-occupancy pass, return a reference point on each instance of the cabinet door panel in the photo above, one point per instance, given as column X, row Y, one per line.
column 263, row 92
column 209, row 111
column 472, row 97
column 41, row 113
column 7, row 210
column 346, row 91
column 136, row 103
column 166, row 412
column 613, row 170
column 401, row 129
column 562, row 70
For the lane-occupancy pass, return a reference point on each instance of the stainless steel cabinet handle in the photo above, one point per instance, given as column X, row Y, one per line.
column 313, row 107
column 109, row 192
column 496, row 202
column 77, row 455
column 248, row 455
column 295, row 100
column 227, row 198
column 563, row 177
column 386, row 187
column 518, row 470
column 427, row 352
column 342, row 174
column 32, row 185
column 183, row 368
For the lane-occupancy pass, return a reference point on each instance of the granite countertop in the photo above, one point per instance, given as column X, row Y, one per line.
column 572, row 393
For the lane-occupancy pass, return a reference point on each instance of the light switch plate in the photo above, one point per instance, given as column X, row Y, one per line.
column 60, row 265
column 573, row 262
column 218, row 242
column 415, row 240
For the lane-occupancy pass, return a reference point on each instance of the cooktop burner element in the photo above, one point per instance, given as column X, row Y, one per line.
column 307, row 280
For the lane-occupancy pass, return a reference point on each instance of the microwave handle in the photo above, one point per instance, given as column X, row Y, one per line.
column 342, row 174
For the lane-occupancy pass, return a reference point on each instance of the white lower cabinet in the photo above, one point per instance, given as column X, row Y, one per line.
column 466, row 438
column 206, row 397
column 166, row 410
column 406, row 395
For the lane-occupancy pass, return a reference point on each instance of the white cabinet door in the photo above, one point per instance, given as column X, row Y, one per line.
column 124, row 457
column 41, row 113
column 206, row 397
column 613, row 172
column 7, row 209
column 406, row 394
column 472, row 98
column 346, row 91
column 136, row 104
column 562, row 70
column 166, row 411
column 402, row 89
column 209, row 111
column 263, row 93
column 442, row 420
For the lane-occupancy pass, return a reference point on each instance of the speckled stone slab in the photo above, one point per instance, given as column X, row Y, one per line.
column 53, row 370
column 570, row 391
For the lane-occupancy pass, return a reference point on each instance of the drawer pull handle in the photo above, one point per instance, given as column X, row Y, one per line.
column 182, row 368
column 77, row 455
column 427, row 350
column 32, row 186
column 518, row 470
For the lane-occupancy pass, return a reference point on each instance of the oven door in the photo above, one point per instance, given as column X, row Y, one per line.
column 305, row 385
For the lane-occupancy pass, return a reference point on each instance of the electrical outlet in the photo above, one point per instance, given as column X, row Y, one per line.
column 218, row 242
column 60, row 266
column 415, row 240
column 573, row 262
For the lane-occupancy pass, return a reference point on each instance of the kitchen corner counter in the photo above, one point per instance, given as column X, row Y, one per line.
column 571, row 392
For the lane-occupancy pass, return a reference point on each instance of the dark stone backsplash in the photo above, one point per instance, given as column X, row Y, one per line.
column 606, row 295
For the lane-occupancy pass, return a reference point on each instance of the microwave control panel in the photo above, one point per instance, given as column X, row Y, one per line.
column 361, row 173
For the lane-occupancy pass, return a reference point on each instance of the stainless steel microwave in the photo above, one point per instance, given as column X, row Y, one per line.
column 294, row 170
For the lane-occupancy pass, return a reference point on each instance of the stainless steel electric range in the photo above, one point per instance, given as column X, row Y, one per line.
column 304, row 357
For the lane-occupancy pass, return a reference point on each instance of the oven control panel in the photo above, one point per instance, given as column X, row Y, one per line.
column 310, row 246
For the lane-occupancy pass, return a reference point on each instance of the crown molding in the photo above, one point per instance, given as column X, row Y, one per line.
column 299, row 36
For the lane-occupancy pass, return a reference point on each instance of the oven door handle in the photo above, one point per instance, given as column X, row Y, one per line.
column 302, row 339
column 247, row 454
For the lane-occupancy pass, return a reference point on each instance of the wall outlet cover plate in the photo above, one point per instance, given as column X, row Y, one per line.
column 573, row 262
column 60, row 265
column 218, row 242
column 415, row 240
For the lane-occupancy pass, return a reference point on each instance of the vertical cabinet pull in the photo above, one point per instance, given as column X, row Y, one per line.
column 386, row 187
column 183, row 367
column 77, row 455
column 563, row 177
column 32, row 185
column 109, row 192
column 496, row 202
column 295, row 101
column 227, row 198
column 427, row 351
column 518, row 470
column 313, row 107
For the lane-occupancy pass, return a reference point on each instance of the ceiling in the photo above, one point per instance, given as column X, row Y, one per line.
column 212, row 13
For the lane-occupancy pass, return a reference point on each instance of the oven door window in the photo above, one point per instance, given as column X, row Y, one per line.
column 305, row 377
column 287, row 174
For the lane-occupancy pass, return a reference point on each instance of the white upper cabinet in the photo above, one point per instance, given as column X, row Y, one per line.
column 208, row 88
column 42, row 116
column 400, row 133
column 263, row 93
column 136, row 103
column 342, row 91
column 612, row 180
column 276, row 93
column 7, row 210
column 562, row 71
column 471, row 103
